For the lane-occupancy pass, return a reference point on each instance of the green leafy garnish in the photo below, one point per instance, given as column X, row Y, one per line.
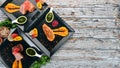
column 40, row 62
column 8, row 23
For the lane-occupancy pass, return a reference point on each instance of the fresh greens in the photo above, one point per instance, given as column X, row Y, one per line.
column 42, row 61
column 8, row 24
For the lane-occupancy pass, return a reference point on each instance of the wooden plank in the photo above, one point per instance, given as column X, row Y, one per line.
column 96, row 33
column 92, row 44
column 87, row 55
column 87, row 12
column 91, row 23
column 85, row 59
column 82, row 3
column 118, row 22
column 83, row 64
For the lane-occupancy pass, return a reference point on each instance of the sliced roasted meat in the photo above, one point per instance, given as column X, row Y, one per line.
column 16, row 51
column 1, row 40
column 4, row 32
column 17, row 48
column 48, row 32
column 27, row 6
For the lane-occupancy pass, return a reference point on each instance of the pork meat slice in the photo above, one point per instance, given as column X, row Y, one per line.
column 27, row 6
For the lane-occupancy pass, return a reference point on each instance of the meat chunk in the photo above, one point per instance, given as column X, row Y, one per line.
column 18, row 56
column 27, row 6
column 1, row 40
column 48, row 32
column 16, row 51
column 4, row 32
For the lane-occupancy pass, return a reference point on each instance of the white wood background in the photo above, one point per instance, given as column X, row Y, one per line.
column 96, row 41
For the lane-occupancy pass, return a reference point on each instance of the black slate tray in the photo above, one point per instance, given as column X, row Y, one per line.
column 49, row 48
column 31, row 16
column 6, row 50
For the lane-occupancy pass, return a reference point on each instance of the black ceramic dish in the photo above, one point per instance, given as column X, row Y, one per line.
column 6, row 51
column 49, row 48
column 31, row 16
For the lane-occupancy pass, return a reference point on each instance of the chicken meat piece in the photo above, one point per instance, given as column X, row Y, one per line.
column 48, row 32
column 1, row 40
column 27, row 6
column 16, row 51
column 4, row 32
column 18, row 56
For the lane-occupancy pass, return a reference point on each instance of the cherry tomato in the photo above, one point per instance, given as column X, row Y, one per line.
column 37, row 0
column 14, row 35
column 55, row 23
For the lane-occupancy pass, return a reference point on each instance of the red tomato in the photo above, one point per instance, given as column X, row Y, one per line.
column 37, row 0
column 55, row 23
column 14, row 35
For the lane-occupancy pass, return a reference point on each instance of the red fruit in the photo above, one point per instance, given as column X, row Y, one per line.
column 37, row 0
column 14, row 35
column 55, row 23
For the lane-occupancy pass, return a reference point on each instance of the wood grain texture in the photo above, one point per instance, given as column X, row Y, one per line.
column 95, row 43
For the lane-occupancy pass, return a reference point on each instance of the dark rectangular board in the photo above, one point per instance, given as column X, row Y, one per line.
column 49, row 48
column 6, row 55
column 31, row 16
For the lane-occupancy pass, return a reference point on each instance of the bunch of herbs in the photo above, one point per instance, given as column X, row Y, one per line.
column 40, row 62
column 7, row 23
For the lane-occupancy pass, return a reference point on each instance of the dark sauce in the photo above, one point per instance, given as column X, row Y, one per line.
column 21, row 20
column 49, row 16
column 31, row 51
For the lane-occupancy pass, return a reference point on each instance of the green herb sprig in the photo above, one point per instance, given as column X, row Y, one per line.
column 7, row 23
column 42, row 61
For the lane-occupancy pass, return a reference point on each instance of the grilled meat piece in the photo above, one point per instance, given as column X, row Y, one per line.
column 4, row 32
column 48, row 32
column 27, row 6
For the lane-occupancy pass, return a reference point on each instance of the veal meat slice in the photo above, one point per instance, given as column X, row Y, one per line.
column 22, row 9
column 4, row 32
column 27, row 6
column 48, row 32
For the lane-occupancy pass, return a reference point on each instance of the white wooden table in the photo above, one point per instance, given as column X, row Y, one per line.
column 96, row 41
